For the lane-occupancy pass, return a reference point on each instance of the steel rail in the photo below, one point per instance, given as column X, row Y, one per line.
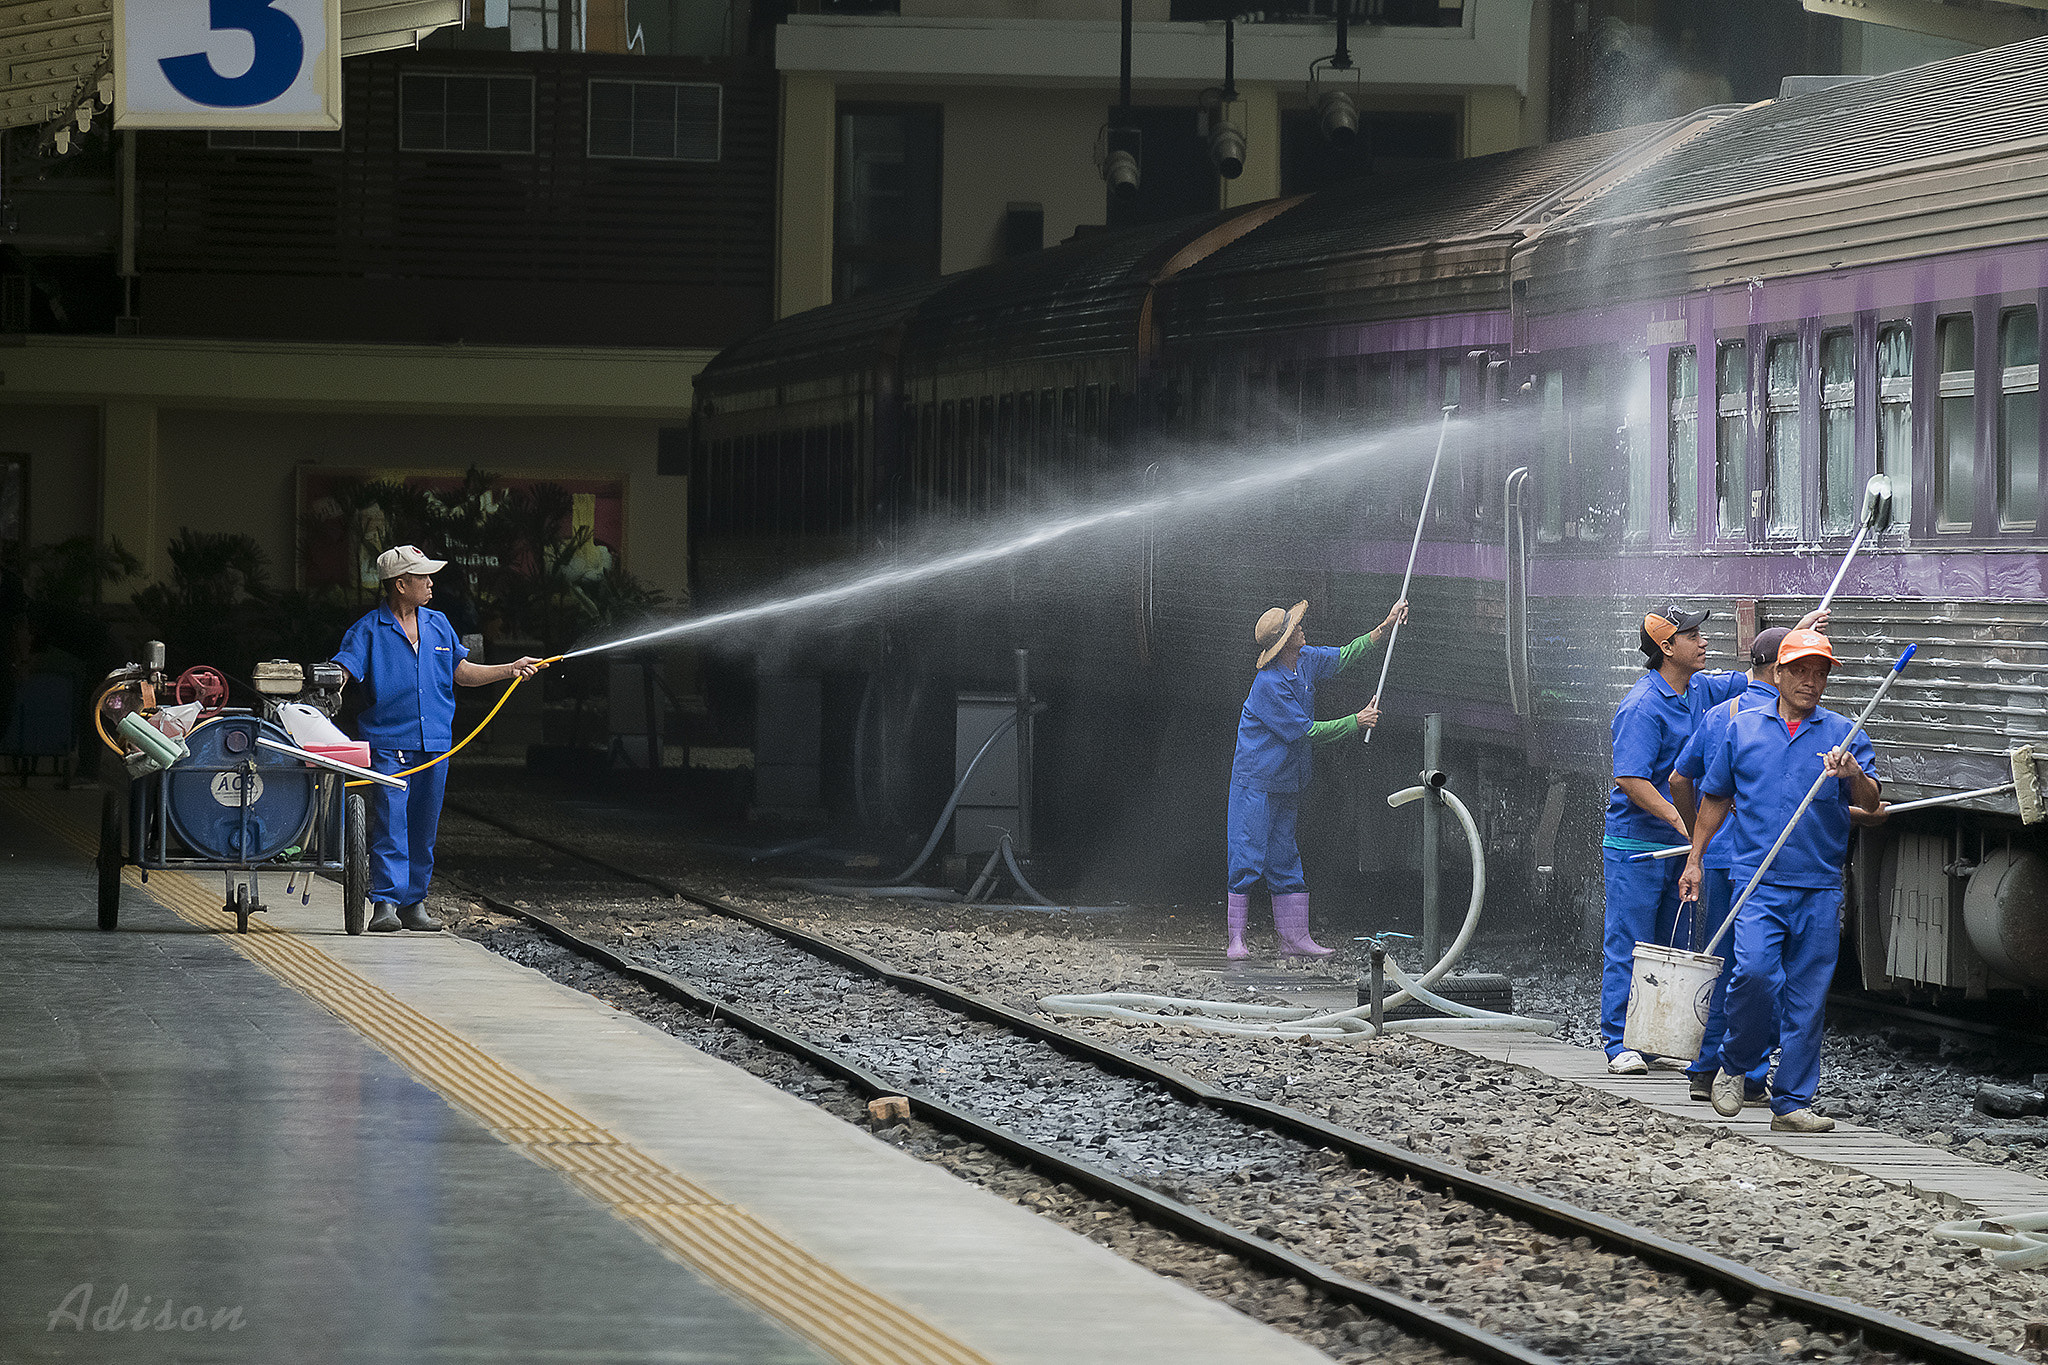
column 1420, row 1319
column 1879, row 1328
column 1937, row 1022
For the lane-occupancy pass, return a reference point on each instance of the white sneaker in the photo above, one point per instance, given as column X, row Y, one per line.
column 1802, row 1121
column 1728, row 1093
column 1627, row 1064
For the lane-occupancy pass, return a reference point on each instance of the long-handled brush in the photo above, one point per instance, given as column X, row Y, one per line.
column 2025, row 787
column 1877, row 515
column 1421, row 520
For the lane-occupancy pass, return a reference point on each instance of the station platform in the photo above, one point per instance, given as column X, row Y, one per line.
column 295, row 1145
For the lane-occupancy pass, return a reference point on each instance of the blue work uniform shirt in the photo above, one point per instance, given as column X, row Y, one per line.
column 1650, row 727
column 411, row 693
column 1272, row 732
column 1692, row 763
column 1769, row 770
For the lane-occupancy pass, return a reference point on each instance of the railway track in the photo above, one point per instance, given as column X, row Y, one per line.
column 1272, row 1174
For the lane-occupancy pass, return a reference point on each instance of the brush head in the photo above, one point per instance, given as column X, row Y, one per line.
column 1877, row 502
column 2026, row 786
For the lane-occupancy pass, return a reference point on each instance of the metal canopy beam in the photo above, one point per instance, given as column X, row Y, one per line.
column 47, row 48
column 1976, row 27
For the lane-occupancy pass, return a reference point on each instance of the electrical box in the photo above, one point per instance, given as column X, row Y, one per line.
column 990, row 802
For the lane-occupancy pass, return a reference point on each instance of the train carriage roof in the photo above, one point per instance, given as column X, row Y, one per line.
column 1472, row 197
column 1960, row 105
column 1081, row 295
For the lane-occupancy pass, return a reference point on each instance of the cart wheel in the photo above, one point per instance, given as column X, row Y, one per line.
column 110, row 861
column 355, row 865
column 242, row 908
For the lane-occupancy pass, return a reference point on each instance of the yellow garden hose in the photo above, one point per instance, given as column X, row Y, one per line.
column 512, row 687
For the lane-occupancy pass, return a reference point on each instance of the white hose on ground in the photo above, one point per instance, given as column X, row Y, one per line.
column 1353, row 1025
column 1288, row 1021
column 2016, row 1243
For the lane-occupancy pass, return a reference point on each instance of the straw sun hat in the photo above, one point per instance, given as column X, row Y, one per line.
column 1273, row 629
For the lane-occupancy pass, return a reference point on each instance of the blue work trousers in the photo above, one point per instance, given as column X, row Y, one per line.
column 1642, row 907
column 402, row 827
column 1786, row 941
column 1717, row 893
column 1261, row 840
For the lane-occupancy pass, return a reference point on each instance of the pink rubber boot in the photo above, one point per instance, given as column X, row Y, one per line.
column 1290, row 917
column 1235, row 909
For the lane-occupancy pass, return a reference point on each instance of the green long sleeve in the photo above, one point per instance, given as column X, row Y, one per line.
column 1324, row 731
column 1351, row 653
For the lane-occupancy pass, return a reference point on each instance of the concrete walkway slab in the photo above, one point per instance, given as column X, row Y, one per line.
column 682, row 1142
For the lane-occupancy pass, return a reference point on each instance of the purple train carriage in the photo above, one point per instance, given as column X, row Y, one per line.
column 1678, row 353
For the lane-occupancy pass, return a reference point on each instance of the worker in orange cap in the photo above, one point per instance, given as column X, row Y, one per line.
column 1786, row 936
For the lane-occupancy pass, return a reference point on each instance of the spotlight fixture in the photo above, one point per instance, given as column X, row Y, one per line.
column 1226, row 149
column 1122, row 159
column 1338, row 118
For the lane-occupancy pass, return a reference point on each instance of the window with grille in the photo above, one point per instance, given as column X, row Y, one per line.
column 1955, row 458
column 1731, row 437
column 655, row 120
column 2019, row 420
column 1839, row 503
column 1784, row 469
column 466, row 113
column 1682, row 419
column 1895, row 416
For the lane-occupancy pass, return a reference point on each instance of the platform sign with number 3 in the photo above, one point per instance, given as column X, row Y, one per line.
column 227, row 64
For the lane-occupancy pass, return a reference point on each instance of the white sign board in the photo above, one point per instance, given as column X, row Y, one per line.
column 227, row 64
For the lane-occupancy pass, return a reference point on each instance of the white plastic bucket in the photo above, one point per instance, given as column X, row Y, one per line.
column 1668, row 1001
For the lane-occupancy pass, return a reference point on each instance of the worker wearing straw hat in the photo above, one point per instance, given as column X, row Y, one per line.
column 409, row 661
column 1716, row 894
column 1275, row 733
column 1787, row 934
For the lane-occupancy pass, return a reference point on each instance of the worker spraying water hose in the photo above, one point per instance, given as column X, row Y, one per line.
column 1352, row 1025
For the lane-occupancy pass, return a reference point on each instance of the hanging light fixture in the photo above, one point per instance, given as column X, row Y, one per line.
column 1226, row 112
column 1329, row 93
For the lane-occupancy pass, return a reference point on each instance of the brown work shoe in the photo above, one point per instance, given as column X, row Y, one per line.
column 1802, row 1121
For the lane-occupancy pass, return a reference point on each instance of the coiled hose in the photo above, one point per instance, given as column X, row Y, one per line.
column 1350, row 1026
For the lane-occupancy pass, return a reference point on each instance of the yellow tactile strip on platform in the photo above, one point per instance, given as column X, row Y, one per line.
column 721, row 1241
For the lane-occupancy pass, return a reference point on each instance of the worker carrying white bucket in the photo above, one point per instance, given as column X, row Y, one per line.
column 409, row 661
column 1786, row 935
column 1275, row 733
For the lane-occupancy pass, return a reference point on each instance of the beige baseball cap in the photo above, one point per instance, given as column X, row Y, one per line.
column 404, row 559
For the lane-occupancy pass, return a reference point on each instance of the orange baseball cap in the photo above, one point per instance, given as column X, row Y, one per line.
column 1805, row 644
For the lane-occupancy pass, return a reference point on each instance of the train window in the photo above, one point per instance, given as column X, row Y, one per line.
column 989, row 493
column 1636, row 447
column 1955, row 441
column 1839, row 501
column 1783, row 477
column 1682, row 422
column 1555, row 444
column 1379, row 394
column 1008, row 483
column 1414, row 388
column 1895, row 416
column 1731, row 437
column 2019, row 420
column 1452, row 492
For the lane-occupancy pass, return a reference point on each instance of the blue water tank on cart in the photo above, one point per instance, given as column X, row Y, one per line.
column 253, row 806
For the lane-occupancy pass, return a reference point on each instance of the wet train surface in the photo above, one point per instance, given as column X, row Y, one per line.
column 1677, row 353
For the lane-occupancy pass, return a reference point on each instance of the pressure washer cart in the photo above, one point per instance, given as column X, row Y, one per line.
column 212, row 788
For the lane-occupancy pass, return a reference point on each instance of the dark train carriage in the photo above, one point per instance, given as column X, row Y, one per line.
column 1810, row 292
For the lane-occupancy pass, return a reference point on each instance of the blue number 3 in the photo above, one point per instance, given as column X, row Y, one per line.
column 280, row 52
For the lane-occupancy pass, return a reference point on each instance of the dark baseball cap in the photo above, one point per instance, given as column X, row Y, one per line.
column 1763, row 650
column 1660, row 626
